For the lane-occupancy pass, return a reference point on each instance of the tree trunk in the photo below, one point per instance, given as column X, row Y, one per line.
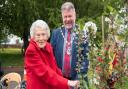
column 25, row 41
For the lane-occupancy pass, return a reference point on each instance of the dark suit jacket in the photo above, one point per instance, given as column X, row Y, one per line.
column 57, row 42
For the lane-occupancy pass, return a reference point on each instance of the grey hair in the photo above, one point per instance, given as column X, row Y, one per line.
column 67, row 6
column 41, row 24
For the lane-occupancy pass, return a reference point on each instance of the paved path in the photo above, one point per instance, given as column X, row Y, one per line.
column 13, row 69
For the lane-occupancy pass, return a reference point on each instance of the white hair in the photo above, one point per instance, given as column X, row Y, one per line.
column 67, row 6
column 39, row 24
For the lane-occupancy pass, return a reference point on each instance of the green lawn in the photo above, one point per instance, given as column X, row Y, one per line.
column 11, row 57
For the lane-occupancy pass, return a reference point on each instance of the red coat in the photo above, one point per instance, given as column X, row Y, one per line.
column 41, row 69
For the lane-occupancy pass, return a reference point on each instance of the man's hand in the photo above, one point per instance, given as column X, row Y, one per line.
column 74, row 84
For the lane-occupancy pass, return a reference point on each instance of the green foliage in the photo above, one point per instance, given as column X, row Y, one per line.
column 17, row 15
column 80, row 41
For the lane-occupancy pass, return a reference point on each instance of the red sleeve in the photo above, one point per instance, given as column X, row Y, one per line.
column 34, row 63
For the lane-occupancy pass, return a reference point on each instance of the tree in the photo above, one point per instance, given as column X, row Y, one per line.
column 17, row 15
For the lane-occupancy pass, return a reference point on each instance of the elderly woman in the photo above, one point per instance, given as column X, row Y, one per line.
column 41, row 69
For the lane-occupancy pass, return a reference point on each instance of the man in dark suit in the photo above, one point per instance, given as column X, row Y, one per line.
column 64, row 45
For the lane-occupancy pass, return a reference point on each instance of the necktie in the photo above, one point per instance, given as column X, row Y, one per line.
column 67, row 56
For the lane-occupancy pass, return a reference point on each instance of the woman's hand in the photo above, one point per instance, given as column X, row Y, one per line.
column 74, row 84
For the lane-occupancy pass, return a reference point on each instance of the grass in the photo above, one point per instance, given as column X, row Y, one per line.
column 11, row 57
